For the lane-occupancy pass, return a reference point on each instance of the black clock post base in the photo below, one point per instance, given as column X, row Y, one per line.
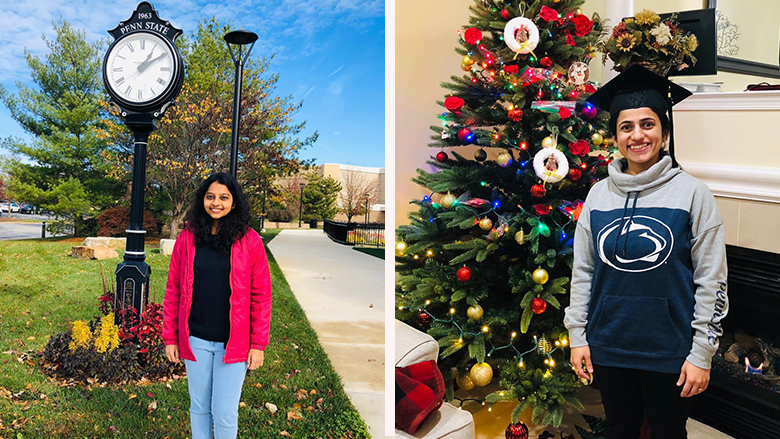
column 132, row 281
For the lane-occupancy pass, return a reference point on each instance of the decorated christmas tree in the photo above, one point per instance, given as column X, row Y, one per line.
column 485, row 264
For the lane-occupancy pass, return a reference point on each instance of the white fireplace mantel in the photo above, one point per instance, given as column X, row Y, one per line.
column 731, row 101
column 729, row 181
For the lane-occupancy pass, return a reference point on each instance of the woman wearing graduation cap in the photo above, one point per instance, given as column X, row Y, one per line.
column 648, row 287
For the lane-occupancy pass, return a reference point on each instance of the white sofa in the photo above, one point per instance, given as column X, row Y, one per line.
column 449, row 422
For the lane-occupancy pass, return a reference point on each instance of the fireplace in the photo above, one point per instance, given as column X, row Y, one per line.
column 737, row 403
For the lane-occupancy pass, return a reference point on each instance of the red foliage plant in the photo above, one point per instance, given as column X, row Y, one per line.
column 115, row 220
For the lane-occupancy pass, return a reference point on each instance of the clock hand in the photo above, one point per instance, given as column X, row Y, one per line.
column 145, row 61
column 144, row 65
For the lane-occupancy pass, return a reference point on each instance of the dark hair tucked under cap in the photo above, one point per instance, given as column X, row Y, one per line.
column 637, row 87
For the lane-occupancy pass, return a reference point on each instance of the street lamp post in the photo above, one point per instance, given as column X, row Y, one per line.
column 240, row 38
column 300, row 207
column 367, row 213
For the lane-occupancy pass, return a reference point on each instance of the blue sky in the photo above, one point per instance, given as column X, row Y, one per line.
column 330, row 53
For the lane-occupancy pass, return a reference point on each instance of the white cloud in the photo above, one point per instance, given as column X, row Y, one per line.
column 336, row 71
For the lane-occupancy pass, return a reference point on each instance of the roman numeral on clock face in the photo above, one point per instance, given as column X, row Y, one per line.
column 120, row 80
column 130, row 46
column 140, row 95
column 165, row 69
column 127, row 92
column 117, row 69
column 161, row 81
column 143, row 44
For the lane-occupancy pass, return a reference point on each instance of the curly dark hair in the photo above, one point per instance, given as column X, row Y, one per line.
column 231, row 227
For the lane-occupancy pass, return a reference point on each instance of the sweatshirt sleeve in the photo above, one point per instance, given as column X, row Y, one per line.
column 576, row 317
column 708, row 256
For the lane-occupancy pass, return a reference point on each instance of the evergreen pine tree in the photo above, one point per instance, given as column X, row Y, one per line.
column 64, row 170
column 485, row 264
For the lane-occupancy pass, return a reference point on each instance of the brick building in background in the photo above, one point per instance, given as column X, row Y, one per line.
column 356, row 182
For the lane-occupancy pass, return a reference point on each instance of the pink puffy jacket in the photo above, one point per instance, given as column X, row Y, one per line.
column 250, row 298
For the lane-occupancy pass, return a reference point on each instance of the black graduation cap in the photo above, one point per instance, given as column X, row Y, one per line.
column 637, row 87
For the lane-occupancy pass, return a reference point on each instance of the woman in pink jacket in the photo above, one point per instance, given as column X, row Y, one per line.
column 217, row 308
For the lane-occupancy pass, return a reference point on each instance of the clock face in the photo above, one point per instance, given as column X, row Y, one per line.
column 140, row 68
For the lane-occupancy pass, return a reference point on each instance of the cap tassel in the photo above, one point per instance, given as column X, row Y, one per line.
column 671, row 133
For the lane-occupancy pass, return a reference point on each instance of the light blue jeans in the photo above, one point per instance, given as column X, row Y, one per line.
column 215, row 390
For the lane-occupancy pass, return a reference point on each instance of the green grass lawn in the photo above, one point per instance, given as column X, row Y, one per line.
column 43, row 289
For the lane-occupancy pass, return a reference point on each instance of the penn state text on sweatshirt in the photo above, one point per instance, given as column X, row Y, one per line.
column 648, row 287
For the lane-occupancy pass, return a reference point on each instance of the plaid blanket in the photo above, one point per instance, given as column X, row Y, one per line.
column 419, row 391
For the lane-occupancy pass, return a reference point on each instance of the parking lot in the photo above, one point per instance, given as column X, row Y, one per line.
column 17, row 226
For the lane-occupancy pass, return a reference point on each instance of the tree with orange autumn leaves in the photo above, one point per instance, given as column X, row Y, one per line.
column 193, row 138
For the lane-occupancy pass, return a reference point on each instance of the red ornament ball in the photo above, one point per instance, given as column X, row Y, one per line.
column 464, row 274
column 574, row 174
column 505, row 14
column 472, row 35
column 441, row 157
column 538, row 305
column 589, row 111
column 538, row 191
column 516, row 431
column 545, row 61
column 465, row 135
column 515, row 115
column 423, row 318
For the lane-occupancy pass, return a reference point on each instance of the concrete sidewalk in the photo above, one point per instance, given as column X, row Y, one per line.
column 342, row 292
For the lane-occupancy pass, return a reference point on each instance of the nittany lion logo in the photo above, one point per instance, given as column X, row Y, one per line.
column 650, row 243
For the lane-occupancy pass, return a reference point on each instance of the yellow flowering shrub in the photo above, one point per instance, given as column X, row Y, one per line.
column 107, row 335
column 82, row 336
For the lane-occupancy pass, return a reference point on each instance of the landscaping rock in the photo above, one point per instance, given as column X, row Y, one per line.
column 166, row 246
column 85, row 252
column 104, row 241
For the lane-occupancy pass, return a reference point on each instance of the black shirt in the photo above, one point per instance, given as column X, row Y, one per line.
column 210, row 311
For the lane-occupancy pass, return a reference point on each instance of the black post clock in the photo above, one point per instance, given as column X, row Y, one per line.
column 143, row 73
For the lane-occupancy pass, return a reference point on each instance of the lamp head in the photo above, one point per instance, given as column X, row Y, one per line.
column 240, row 37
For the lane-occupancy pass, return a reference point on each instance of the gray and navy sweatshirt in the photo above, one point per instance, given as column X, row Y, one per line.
column 648, row 288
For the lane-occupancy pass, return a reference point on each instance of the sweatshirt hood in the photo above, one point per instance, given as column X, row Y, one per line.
column 655, row 176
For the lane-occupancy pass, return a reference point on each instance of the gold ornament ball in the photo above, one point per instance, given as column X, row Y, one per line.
column 481, row 374
column 549, row 142
column 465, row 67
column 467, row 61
column 544, row 346
column 541, row 276
column 475, row 312
column 504, row 159
column 448, row 200
column 520, row 237
column 597, row 139
column 400, row 248
column 485, row 224
column 465, row 382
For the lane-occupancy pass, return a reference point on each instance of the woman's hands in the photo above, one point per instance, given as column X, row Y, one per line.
column 695, row 378
column 582, row 355
column 255, row 359
column 172, row 352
